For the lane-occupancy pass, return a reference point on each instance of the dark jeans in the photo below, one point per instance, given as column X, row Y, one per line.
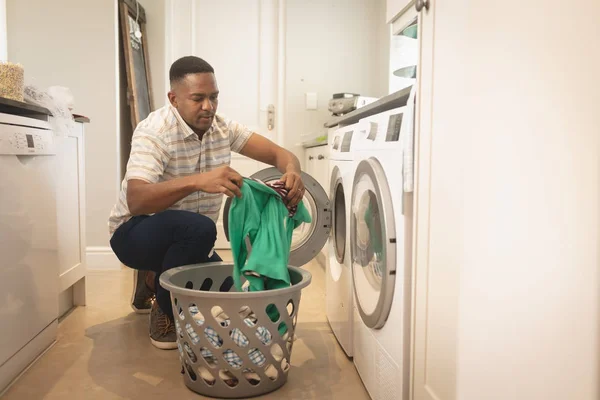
column 163, row 241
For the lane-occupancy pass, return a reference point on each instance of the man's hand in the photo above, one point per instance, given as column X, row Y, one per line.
column 295, row 186
column 221, row 180
column 262, row 149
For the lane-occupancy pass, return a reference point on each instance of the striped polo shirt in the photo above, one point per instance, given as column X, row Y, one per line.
column 164, row 147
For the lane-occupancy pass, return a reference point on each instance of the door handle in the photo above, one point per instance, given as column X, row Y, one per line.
column 420, row 4
column 311, row 158
column 320, row 157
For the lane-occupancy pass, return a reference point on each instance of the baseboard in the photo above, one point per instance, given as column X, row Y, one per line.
column 102, row 258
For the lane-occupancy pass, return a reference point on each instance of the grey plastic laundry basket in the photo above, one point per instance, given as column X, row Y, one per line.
column 232, row 344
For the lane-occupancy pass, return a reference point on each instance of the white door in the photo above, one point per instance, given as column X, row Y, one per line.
column 240, row 39
column 434, row 285
column 436, row 257
column 507, row 207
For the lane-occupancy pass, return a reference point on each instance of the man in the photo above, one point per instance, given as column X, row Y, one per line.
column 177, row 173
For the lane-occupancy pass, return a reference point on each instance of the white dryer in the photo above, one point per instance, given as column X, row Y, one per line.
column 338, row 280
column 380, row 243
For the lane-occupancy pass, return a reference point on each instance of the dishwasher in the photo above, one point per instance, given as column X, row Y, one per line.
column 28, row 243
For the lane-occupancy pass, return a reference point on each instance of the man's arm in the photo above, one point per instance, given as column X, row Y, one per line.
column 147, row 161
column 149, row 198
column 262, row 149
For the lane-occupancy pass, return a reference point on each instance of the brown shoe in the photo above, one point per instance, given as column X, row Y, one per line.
column 143, row 293
column 162, row 329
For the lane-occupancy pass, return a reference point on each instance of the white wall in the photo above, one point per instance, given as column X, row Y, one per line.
column 331, row 46
column 3, row 40
column 62, row 42
column 529, row 323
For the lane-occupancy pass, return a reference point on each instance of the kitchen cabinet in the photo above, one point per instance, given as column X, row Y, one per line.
column 505, row 258
column 316, row 164
column 70, row 199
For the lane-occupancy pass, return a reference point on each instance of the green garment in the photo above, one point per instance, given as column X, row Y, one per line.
column 374, row 226
column 262, row 216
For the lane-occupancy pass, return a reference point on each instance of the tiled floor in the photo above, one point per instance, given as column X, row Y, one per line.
column 103, row 352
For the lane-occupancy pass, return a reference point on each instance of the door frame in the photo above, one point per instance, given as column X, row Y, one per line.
column 434, row 303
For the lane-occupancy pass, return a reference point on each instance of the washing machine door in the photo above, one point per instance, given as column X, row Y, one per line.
column 372, row 243
column 307, row 239
column 338, row 214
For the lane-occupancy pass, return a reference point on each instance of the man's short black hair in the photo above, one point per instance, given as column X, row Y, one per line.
column 188, row 65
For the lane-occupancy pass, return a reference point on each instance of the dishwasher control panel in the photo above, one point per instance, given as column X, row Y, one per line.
column 24, row 140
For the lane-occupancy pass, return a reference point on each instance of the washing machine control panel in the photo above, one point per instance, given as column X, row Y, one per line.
column 23, row 140
column 343, row 139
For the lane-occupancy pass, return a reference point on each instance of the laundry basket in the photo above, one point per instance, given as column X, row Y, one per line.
column 232, row 344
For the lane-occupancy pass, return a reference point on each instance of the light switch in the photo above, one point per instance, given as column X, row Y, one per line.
column 311, row 101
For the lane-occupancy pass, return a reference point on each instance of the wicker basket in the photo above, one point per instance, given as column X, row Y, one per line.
column 11, row 81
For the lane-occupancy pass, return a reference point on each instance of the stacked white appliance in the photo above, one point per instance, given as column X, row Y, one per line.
column 338, row 281
column 380, row 243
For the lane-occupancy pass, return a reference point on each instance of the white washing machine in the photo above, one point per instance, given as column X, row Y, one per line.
column 338, row 281
column 380, row 243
